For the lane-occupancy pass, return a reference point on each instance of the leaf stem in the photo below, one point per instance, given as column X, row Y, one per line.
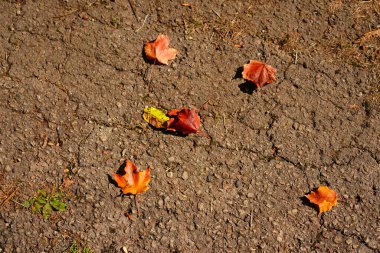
column 137, row 206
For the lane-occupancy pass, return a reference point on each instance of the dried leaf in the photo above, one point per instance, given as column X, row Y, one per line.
column 185, row 121
column 159, row 50
column 324, row 197
column 155, row 117
column 132, row 181
column 186, row 4
column 259, row 73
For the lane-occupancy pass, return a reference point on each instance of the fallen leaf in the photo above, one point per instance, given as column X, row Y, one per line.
column 324, row 197
column 185, row 121
column 159, row 50
column 186, row 5
column 132, row 181
column 155, row 117
column 259, row 73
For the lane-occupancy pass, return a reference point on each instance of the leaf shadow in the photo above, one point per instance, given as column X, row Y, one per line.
column 238, row 73
column 166, row 132
column 111, row 180
column 306, row 202
column 246, row 87
column 119, row 171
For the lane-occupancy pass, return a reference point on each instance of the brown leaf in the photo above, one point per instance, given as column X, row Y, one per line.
column 259, row 73
column 158, row 50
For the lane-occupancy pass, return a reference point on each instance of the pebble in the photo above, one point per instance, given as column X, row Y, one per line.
column 349, row 241
column 8, row 168
column 337, row 239
column 125, row 249
column 171, row 159
column 169, row 174
column 160, row 203
column 238, row 183
column 201, row 206
column 105, row 134
column 280, row 236
column 185, row 175
column 210, row 178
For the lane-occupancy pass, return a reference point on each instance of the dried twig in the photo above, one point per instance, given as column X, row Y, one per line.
column 9, row 197
column 137, row 206
column 367, row 36
column 146, row 17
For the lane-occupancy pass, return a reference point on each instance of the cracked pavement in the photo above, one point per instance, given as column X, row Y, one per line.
column 73, row 86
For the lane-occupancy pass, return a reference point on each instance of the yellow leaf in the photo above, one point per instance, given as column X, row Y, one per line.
column 155, row 117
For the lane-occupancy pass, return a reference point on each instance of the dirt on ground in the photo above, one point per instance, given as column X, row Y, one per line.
column 74, row 84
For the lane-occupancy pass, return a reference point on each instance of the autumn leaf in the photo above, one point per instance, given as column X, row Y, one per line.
column 185, row 121
column 132, row 181
column 259, row 73
column 158, row 50
column 155, row 117
column 324, row 197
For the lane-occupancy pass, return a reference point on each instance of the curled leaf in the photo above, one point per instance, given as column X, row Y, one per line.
column 132, row 181
column 155, row 117
column 259, row 73
column 185, row 121
column 324, row 197
column 159, row 50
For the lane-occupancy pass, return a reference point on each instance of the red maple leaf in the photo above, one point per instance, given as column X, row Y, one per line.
column 185, row 121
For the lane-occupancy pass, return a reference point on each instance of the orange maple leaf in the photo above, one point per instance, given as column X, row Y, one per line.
column 185, row 121
column 324, row 197
column 259, row 73
column 159, row 50
column 131, row 180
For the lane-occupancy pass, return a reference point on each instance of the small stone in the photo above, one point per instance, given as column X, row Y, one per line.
column 201, row 207
column 105, row 134
column 263, row 245
column 210, row 178
column 280, row 236
column 154, row 244
column 118, row 104
column 337, row 239
column 83, row 15
column 169, row 174
column 242, row 212
column 250, row 195
column 160, row 203
column 349, row 241
column 185, row 175
column 8, row 168
column 171, row 159
column 125, row 249
column 238, row 183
